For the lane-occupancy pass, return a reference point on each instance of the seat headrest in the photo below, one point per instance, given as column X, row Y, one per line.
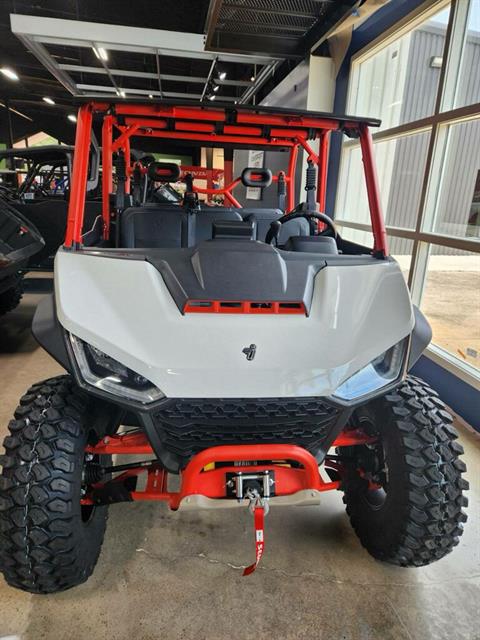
column 252, row 177
column 164, row 171
column 312, row 244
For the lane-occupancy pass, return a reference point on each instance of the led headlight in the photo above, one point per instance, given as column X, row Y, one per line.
column 378, row 374
column 107, row 374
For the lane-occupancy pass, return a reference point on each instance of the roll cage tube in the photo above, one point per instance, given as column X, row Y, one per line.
column 209, row 175
column 218, row 126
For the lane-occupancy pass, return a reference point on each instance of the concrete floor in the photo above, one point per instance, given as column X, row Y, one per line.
column 163, row 574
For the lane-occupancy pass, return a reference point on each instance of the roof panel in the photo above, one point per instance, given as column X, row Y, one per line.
column 259, row 109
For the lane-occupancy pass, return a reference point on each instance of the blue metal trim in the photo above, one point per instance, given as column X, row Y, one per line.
column 340, row 102
column 380, row 21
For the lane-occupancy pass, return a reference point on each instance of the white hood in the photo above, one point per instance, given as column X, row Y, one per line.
column 123, row 307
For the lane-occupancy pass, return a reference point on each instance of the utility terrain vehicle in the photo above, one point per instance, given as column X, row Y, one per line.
column 39, row 187
column 19, row 240
column 256, row 353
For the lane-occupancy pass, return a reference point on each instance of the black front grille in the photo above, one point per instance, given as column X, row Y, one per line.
column 186, row 427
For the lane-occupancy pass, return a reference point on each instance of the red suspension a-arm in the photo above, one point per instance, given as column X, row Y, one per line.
column 198, row 478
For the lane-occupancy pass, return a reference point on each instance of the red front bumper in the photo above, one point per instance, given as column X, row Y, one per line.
column 204, row 478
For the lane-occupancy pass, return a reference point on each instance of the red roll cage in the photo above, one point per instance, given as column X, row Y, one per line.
column 220, row 126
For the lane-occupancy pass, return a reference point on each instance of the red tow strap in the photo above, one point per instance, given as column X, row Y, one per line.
column 258, row 518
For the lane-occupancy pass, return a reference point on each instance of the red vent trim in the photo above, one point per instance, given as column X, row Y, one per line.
column 243, row 306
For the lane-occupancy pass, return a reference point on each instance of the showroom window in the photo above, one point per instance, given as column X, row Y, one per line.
column 423, row 83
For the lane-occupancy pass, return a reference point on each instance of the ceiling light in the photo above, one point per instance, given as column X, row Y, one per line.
column 222, row 76
column 252, row 79
column 121, row 93
column 9, row 73
column 100, row 52
column 216, row 88
column 48, row 100
column 150, row 96
column 71, row 117
column 211, row 97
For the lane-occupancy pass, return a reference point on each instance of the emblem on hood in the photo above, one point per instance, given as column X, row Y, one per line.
column 250, row 351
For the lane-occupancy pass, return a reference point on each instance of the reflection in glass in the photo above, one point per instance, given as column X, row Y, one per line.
column 451, row 302
column 399, row 83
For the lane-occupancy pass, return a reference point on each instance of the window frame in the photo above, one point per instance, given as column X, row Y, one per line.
column 434, row 124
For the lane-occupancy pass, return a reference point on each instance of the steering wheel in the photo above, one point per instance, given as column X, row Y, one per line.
column 274, row 231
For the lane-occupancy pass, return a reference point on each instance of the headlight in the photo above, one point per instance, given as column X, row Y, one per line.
column 107, row 374
column 379, row 373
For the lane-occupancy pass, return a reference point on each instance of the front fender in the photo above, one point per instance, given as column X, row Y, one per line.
column 421, row 337
column 48, row 332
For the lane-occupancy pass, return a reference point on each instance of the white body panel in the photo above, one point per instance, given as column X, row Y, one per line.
column 302, row 498
column 124, row 308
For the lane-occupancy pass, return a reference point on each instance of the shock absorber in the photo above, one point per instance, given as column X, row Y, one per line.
column 281, row 190
column 311, row 186
column 121, row 173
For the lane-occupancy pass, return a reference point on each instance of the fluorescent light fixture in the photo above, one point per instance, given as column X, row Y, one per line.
column 9, row 73
column 222, row 76
column 216, row 88
column 100, row 52
column 48, row 100
column 71, row 117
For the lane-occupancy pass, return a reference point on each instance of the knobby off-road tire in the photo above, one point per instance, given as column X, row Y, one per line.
column 418, row 517
column 10, row 299
column 48, row 541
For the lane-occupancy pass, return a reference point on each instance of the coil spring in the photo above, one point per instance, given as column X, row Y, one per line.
column 311, row 181
column 92, row 473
